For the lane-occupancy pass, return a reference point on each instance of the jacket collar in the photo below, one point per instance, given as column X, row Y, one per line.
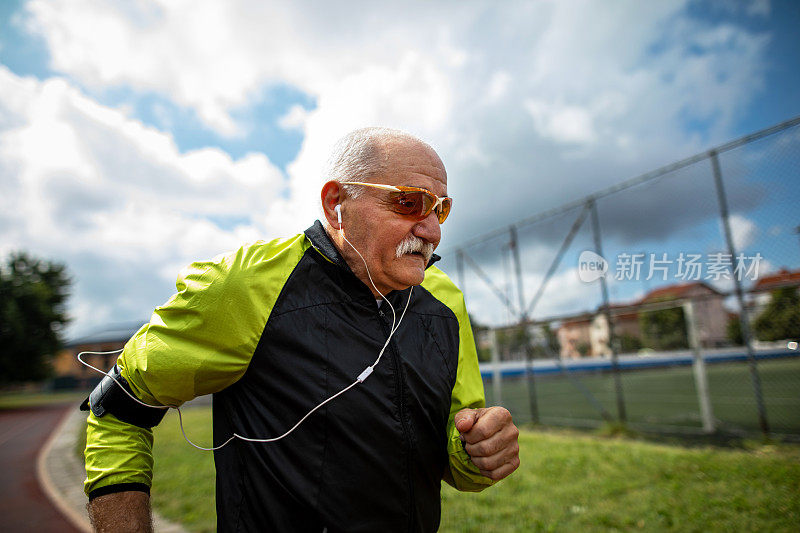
column 322, row 242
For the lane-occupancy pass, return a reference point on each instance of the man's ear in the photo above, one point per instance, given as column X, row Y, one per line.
column 331, row 196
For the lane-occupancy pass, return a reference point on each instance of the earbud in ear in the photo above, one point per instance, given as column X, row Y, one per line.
column 338, row 210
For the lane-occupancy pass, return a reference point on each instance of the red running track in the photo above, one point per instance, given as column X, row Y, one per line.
column 23, row 504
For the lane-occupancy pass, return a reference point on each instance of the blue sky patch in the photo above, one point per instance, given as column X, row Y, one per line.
column 23, row 53
column 259, row 120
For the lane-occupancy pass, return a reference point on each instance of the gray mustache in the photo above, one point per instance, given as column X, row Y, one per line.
column 412, row 244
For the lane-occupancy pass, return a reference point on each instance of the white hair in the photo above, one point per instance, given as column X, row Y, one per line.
column 358, row 156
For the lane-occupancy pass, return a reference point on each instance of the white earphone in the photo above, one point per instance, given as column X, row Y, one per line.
column 360, row 379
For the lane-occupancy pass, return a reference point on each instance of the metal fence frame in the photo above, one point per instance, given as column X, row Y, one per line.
column 588, row 205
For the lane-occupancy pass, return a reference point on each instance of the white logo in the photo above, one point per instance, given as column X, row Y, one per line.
column 591, row 266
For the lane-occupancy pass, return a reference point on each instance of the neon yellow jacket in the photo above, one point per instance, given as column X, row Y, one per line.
column 273, row 329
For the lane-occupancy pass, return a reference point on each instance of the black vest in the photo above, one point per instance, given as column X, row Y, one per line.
column 370, row 460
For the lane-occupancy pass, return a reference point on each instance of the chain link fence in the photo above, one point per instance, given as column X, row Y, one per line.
column 670, row 302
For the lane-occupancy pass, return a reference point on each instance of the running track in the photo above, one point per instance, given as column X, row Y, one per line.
column 23, row 504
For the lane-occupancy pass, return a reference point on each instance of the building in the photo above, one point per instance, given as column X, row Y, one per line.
column 626, row 324
column 575, row 336
column 711, row 317
column 760, row 293
column 71, row 374
column 587, row 334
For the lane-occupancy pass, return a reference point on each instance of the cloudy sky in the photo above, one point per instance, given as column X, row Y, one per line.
column 138, row 136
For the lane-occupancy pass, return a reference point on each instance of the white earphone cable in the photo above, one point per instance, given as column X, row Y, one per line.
column 360, row 379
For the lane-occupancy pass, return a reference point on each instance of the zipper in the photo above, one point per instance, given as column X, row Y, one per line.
column 399, row 389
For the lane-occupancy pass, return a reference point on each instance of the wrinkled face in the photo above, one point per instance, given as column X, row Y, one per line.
column 377, row 232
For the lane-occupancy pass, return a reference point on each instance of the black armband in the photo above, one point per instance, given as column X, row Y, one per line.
column 119, row 487
column 108, row 397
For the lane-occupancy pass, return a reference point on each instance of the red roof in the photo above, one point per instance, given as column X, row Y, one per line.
column 675, row 292
column 782, row 278
column 577, row 321
column 622, row 311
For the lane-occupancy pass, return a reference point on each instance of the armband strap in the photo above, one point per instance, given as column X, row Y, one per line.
column 107, row 397
column 119, row 487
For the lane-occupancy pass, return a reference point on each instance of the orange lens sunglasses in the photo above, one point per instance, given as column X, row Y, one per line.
column 412, row 202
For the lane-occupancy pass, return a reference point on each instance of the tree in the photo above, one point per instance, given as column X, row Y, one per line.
column 543, row 341
column 781, row 318
column 627, row 343
column 33, row 293
column 664, row 329
column 511, row 340
column 734, row 330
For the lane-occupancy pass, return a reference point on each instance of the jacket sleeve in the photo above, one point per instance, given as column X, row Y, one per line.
column 468, row 388
column 467, row 393
column 199, row 342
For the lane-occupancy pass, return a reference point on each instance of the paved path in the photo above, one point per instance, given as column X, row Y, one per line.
column 61, row 473
column 41, row 476
column 24, row 506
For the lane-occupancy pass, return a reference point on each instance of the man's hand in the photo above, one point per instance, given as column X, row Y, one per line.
column 491, row 440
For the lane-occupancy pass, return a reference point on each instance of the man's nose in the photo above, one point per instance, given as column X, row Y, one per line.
column 428, row 229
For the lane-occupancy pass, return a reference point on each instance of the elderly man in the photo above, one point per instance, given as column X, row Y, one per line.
column 350, row 318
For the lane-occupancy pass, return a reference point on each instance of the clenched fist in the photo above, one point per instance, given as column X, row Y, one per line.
column 490, row 438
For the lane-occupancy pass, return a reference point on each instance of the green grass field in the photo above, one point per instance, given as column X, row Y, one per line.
column 568, row 481
column 572, row 481
column 16, row 400
column 666, row 397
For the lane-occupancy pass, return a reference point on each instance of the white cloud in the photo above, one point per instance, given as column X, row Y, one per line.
column 564, row 294
column 499, row 85
column 744, row 232
column 760, row 8
column 508, row 96
column 215, row 57
column 763, row 268
column 622, row 76
column 84, row 182
column 295, row 118
column 752, row 8
column 567, row 124
column 589, row 69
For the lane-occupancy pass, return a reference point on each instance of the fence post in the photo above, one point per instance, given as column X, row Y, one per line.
column 699, row 367
column 497, row 377
column 623, row 417
column 743, row 318
column 523, row 321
